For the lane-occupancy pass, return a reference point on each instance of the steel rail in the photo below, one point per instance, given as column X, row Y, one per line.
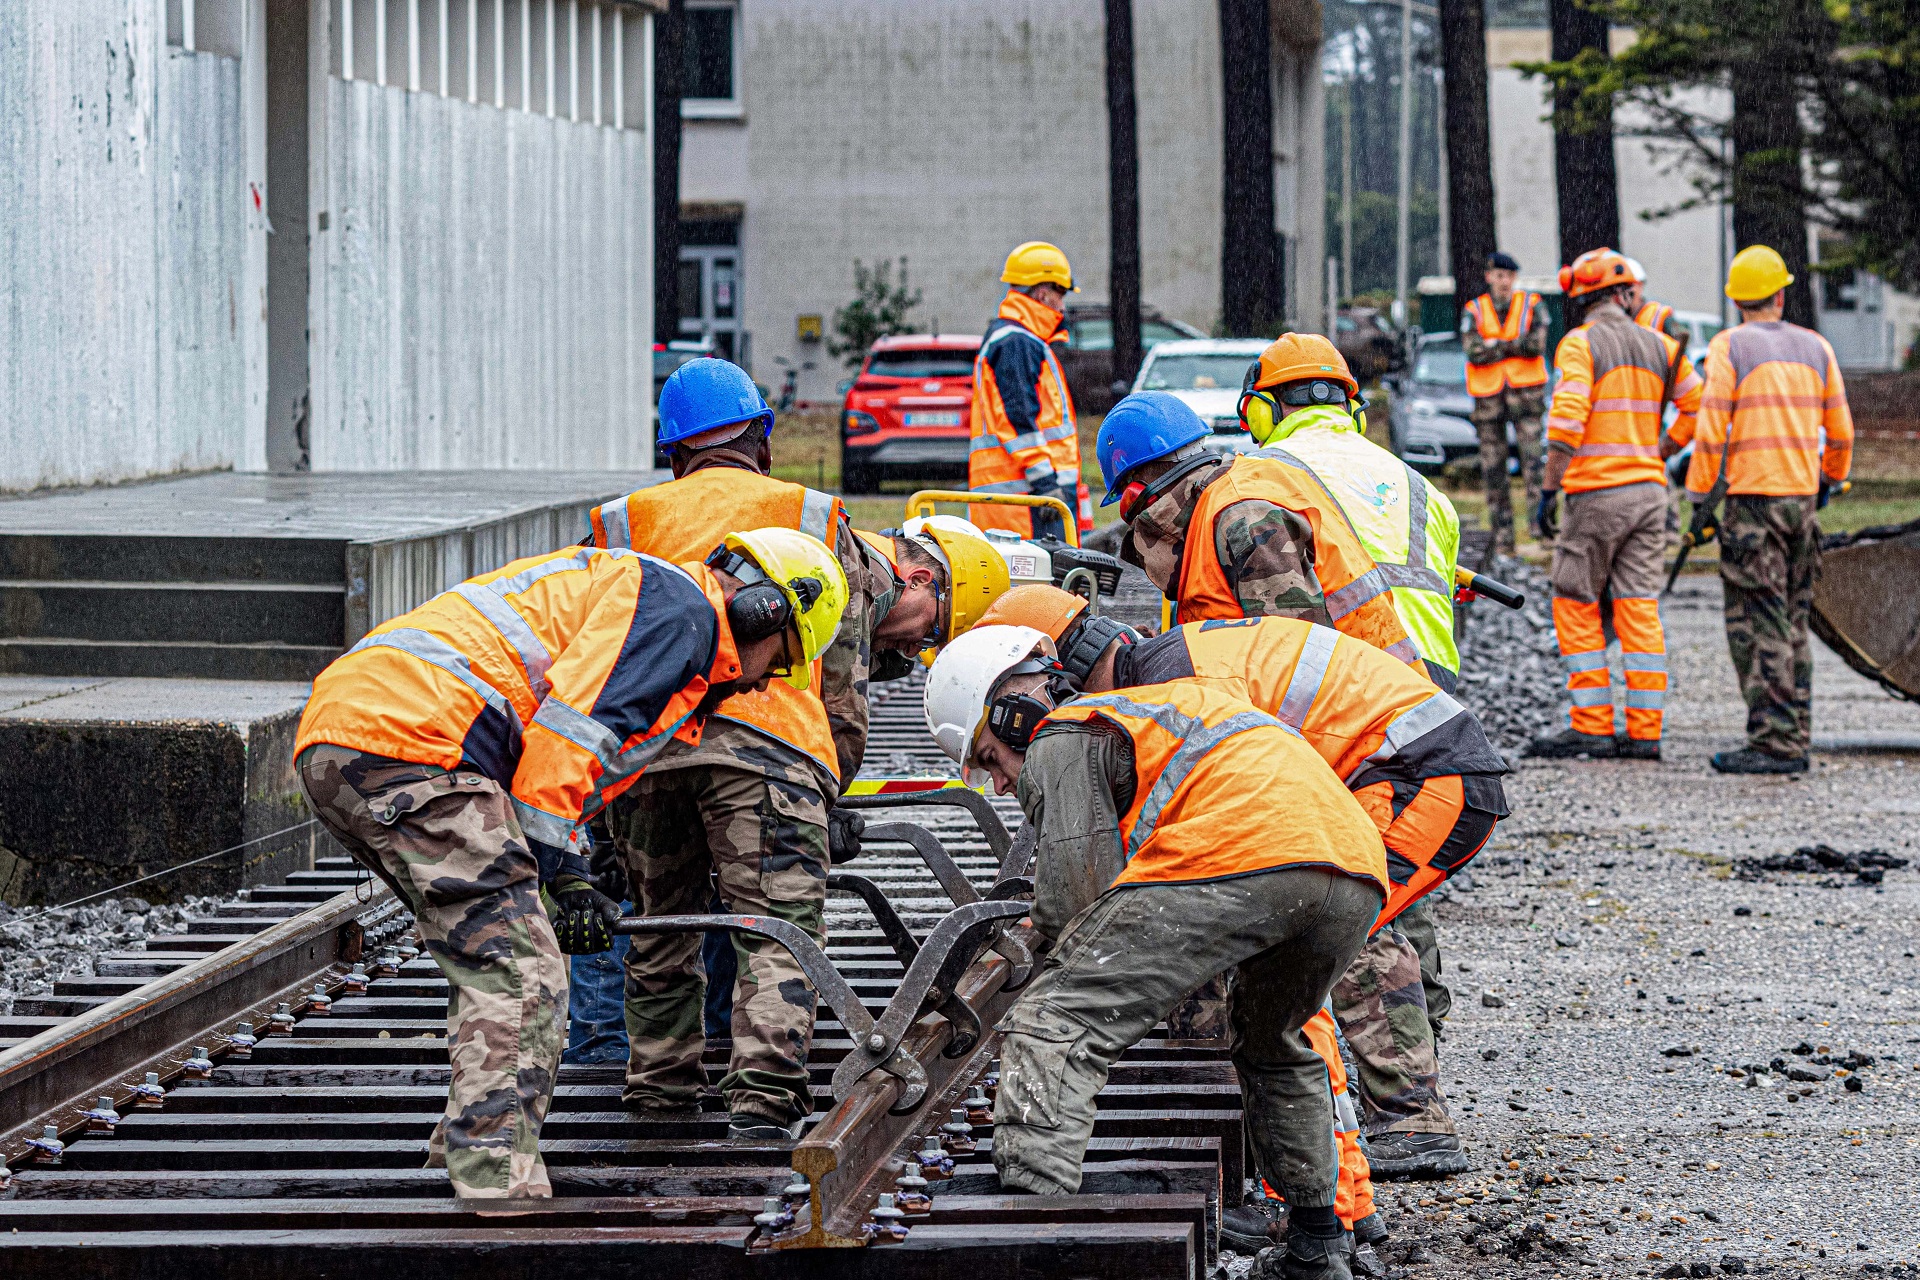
column 55, row 1076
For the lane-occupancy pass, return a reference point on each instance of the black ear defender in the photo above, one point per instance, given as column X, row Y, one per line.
column 1317, row 391
column 758, row 609
column 1015, row 717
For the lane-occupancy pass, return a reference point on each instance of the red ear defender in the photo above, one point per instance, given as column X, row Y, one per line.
column 1130, row 498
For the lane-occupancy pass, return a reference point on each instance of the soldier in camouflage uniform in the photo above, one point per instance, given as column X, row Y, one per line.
column 1769, row 561
column 469, row 876
column 1506, row 344
column 1267, row 554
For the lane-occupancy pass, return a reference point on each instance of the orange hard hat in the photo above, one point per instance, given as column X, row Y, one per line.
column 1046, row 609
column 1594, row 270
column 1299, row 357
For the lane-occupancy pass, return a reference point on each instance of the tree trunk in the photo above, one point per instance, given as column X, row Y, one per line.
column 1769, row 206
column 1123, row 193
column 668, row 66
column 1583, row 170
column 1463, row 56
column 1251, row 304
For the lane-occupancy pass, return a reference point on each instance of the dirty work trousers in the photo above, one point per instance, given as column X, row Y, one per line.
column 1125, row 961
column 448, row 845
column 1612, row 540
column 1523, row 407
column 1769, row 561
column 765, row 841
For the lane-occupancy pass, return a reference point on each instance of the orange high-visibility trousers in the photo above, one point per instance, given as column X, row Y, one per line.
column 1353, row 1195
column 1583, row 652
column 1430, row 830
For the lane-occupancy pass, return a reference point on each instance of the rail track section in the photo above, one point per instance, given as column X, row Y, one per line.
column 298, row 1068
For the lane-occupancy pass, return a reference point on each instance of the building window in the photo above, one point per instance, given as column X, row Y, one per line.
column 712, row 43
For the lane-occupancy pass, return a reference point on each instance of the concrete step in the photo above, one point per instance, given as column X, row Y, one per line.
column 201, row 660
column 217, row 612
column 159, row 558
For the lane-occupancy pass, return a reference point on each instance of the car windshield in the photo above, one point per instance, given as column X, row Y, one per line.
column 1097, row 335
column 1195, row 372
column 928, row 362
column 1443, row 363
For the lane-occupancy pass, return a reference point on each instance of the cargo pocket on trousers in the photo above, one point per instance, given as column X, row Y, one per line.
column 1039, row 1060
column 1572, row 574
column 793, row 857
column 392, row 809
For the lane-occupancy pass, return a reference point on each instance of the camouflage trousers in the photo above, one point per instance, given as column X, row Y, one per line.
column 1523, row 407
column 448, row 844
column 765, row 840
column 1769, row 561
column 1381, row 1005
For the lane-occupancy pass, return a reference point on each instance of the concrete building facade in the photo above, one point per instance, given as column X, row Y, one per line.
column 947, row 133
column 323, row 234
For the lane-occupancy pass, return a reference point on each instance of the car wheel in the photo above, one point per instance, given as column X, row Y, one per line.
column 859, row 478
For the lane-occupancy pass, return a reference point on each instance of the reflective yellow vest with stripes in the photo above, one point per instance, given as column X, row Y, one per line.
column 1408, row 527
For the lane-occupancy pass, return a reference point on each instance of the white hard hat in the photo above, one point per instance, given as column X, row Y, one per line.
column 1634, row 268
column 963, row 675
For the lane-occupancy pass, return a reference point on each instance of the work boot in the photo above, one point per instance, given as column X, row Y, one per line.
column 748, row 1126
column 1258, row 1224
column 1372, row 1229
column 1399, row 1157
column 1569, row 743
column 1748, row 760
column 1637, row 748
column 1305, row 1257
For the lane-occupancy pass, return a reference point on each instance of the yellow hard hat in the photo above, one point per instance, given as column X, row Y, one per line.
column 976, row 573
column 1756, row 274
column 1037, row 262
column 809, row 576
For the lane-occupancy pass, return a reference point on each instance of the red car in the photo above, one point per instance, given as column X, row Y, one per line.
column 907, row 410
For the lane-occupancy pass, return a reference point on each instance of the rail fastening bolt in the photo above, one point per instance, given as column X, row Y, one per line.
column 876, row 1043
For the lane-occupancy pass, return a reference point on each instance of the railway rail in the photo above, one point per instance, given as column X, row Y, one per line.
column 300, row 1154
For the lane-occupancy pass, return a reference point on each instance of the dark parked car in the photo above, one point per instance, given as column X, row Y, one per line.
column 1431, row 417
column 1087, row 359
column 1368, row 341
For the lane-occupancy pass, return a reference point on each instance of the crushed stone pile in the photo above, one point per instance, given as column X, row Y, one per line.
column 1509, row 662
column 41, row 945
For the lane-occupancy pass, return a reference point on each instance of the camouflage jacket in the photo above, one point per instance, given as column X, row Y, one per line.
column 1491, row 350
column 1077, row 780
column 1265, row 550
column 843, row 687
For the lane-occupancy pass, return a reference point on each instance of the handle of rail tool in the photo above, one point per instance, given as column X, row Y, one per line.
column 1479, row 584
column 921, row 504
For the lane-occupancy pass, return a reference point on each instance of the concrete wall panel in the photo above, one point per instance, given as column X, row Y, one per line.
column 487, row 281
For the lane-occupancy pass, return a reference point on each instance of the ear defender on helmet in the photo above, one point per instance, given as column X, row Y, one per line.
column 1015, row 717
column 1314, row 392
column 760, row 608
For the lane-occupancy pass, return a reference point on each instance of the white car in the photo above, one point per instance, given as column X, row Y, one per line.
column 1207, row 374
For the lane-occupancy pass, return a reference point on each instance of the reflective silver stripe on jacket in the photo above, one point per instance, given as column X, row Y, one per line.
column 1406, row 651
column 1197, row 738
column 434, row 651
column 1004, row 486
column 1368, row 585
column 1068, row 426
column 579, row 559
column 547, row 828
column 816, row 515
column 1414, row 723
column 618, row 526
column 1309, row 673
column 513, row 628
column 1416, row 572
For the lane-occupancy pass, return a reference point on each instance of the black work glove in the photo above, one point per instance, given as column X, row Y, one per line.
column 1546, row 517
column 844, row 829
column 1825, row 495
column 1046, row 520
column 582, row 915
column 610, row 872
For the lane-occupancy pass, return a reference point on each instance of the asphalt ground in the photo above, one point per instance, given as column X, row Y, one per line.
column 1617, row 976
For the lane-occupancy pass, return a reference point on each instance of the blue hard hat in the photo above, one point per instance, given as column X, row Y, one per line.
column 1145, row 426
column 706, row 393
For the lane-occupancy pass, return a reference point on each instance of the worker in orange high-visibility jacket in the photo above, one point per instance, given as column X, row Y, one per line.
column 1419, row 764
column 1776, row 428
column 1025, row 440
column 1256, row 535
column 1181, row 832
column 1504, row 333
column 459, row 750
column 1603, row 442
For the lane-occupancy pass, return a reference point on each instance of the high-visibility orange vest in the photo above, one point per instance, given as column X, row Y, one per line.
column 1514, row 371
column 1775, row 390
column 558, row 676
column 1358, row 594
column 1654, row 316
column 1607, row 406
column 1222, row 789
column 686, row 519
column 1002, row 458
